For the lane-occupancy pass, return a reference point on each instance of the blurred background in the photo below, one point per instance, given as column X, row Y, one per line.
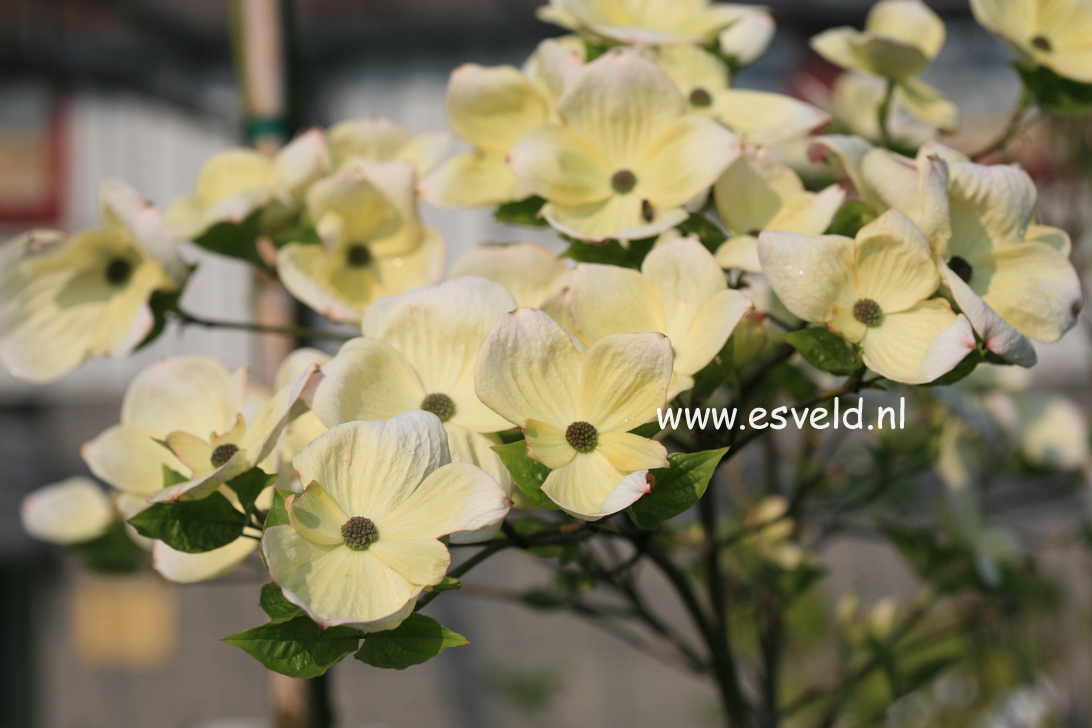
column 144, row 90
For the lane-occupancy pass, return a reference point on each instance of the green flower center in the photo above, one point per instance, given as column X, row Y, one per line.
column 700, row 97
column 623, row 181
column 118, row 271
column 1042, row 43
column 868, row 312
column 582, row 436
column 961, row 268
column 439, row 405
column 223, row 453
column 359, row 533
column 358, row 255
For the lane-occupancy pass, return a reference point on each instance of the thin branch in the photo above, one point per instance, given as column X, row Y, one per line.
column 296, row 332
column 1017, row 125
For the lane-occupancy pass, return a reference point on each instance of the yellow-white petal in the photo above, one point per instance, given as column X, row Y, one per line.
column 607, row 300
column 619, row 103
column 762, row 117
column 547, row 444
column 894, row 263
column 623, row 381
column 628, row 452
column 183, row 568
column 316, row 516
column 531, row 272
column 562, row 166
column 367, row 380
column 334, row 584
column 709, row 330
column 529, row 368
column 684, row 159
column 1031, row 286
column 918, row 345
column 471, row 179
column 998, row 335
column 590, row 487
column 456, row 497
column 69, row 512
column 492, row 108
column 807, row 273
column 128, row 458
column 189, row 393
column 369, row 468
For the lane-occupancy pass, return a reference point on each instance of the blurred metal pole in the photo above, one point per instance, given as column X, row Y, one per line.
column 261, row 36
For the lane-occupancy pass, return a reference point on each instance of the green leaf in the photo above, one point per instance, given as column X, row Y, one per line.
column 850, row 218
column 647, row 430
column 677, row 487
column 111, row 553
column 708, row 233
column 825, row 350
column 1055, row 94
column 715, row 373
column 277, row 515
column 162, row 303
column 192, row 526
column 172, row 477
column 416, row 640
column 249, row 485
column 274, row 604
column 522, row 212
column 610, row 252
column 448, row 583
column 235, row 239
column 298, row 647
column 961, row 370
column 528, row 474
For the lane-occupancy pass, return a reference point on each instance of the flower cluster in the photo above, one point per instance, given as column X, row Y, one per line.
column 700, row 241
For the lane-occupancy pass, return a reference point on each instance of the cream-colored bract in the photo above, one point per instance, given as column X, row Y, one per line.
column 372, row 241
column 380, row 140
column 236, row 183
column 900, row 39
column 72, row 511
column 398, row 475
column 758, row 192
column 531, row 272
column 492, row 108
column 1010, row 276
column 66, row 299
column 192, row 394
column 1052, row 33
column 876, row 291
column 535, row 375
column 626, row 155
column 756, row 117
column 659, row 22
column 680, row 292
column 418, row 352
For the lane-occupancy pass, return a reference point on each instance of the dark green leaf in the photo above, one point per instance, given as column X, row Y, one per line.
column 274, row 604
column 825, row 350
column 172, row 477
column 249, row 485
column 961, row 370
column 111, row 553
column 162, row 303
column 528, row 474
column 522, row 212
column 416, row 640
column 278, row 516
column 610, row 252
column 708, row 233
column 649, row 429
column 234, row 239
column 1055, row 94
column 715, row 373
column 677, row 488
column 850, row 218
column 297, row 648
column 192, row 526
